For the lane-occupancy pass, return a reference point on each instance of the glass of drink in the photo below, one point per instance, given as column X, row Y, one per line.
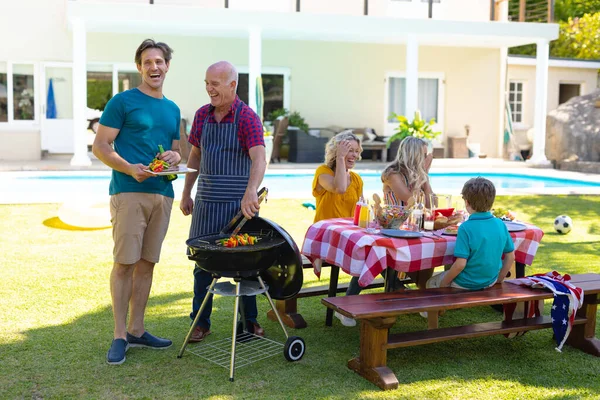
column 429, row 219
column 415, row 220
column 373, row 226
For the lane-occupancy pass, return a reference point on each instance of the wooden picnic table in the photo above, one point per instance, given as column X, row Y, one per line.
column 340, row 243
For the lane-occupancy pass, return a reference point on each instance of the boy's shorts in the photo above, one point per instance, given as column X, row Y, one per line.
column 436, row 280
column 140, row 222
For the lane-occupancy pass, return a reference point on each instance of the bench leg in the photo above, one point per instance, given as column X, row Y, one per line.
column 371, row 363
column 583, row 336
column 288, row 311
column 333, row 283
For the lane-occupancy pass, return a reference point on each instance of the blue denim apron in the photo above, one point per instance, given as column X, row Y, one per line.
column 223, row 177
column 222, row 182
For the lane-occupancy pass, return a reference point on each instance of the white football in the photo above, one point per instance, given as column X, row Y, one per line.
column 563, row 224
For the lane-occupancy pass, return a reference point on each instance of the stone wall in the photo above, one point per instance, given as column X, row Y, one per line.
column 573, row 130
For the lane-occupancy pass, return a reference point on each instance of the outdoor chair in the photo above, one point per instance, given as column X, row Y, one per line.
column 280, row 126
column 306, row 148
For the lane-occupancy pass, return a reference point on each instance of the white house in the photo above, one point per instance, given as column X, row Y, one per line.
column 338, row 62
column 566, row 79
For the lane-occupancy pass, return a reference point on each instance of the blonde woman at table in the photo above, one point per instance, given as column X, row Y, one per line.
column 336, row 188
column 406, row 176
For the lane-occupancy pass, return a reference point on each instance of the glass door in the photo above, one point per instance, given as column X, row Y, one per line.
column 57, row 108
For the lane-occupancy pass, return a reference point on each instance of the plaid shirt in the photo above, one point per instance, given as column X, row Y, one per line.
column 250, row 128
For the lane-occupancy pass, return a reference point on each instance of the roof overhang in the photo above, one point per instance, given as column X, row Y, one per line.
column 556, row 62
column 197, row 21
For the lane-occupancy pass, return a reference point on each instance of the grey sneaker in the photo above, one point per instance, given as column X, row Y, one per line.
column 148, row 340
column 346, row 321
column 116, row 353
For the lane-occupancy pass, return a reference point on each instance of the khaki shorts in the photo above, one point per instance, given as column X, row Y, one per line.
column 140, row 222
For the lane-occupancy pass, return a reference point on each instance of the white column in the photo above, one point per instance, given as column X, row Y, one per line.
column 502, row 103
column 80, row 152
column 541, row 104
column 254, row 63
column 412, row 77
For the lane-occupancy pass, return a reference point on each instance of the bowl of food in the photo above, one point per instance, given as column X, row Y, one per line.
column 392, row 216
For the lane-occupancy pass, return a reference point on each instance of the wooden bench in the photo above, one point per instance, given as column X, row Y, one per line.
column 378, row 312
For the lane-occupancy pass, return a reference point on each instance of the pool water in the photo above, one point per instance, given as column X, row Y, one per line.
column 50, row 187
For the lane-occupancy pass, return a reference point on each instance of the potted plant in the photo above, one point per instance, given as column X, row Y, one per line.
column 294, row 118
column 418, row 127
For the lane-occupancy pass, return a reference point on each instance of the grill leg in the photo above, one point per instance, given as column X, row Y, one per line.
column 236, row 307
column 262, row 284
column 202, row 306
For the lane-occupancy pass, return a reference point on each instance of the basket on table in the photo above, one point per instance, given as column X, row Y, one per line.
column 442, row 221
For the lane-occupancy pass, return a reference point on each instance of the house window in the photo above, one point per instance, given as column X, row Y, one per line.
column 23, row 92
column 129, row 80
column 273, row 91
column 3, row 93
column 568, row 90
column 99, row 89
column 515, row 100
column 100, row 84
column 428, row 97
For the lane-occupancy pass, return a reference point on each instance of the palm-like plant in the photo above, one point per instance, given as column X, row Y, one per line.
column 418, row 128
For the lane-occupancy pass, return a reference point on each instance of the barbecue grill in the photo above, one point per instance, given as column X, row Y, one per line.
column 274, row 259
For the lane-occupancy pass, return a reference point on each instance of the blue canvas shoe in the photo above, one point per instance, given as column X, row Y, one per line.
column 148, row 340
column 116, row 353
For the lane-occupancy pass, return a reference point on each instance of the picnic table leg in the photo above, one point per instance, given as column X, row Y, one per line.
column 519, row 270
column 371, row 363
column 333, row 283
column 583, row 336
column 288, row 311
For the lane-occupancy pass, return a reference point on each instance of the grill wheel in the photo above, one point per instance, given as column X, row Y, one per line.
column 294, row 348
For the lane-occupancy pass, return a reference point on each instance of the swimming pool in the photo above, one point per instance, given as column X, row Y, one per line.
column 57, row 187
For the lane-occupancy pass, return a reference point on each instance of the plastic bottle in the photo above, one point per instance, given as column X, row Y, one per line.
column 363, row 219
column 357, row 208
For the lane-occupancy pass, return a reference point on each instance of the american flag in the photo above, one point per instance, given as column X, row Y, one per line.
column 567, row 300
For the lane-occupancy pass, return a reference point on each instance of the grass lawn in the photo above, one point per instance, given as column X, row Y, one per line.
column 56, row 323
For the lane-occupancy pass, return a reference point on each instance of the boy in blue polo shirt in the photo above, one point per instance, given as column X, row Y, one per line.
column 480, row 243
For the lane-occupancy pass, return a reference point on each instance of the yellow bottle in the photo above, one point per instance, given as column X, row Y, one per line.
column 363, row 219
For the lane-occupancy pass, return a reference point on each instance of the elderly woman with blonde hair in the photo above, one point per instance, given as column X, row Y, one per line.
column 336, row 188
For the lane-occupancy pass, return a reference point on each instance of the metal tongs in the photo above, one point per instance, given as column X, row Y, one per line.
column 262, row 194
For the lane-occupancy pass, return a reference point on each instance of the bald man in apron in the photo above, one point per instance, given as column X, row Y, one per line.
column 228, row 150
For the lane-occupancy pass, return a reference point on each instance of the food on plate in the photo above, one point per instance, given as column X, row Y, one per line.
column 504, row 214
column 451, row 230
column 158, row 165
column 441, row 219
column 238, row 240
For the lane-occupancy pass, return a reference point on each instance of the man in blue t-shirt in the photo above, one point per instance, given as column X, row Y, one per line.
column 480, row 243
column 133, row 125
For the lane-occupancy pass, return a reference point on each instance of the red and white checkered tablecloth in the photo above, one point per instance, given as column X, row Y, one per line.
column 339, row 242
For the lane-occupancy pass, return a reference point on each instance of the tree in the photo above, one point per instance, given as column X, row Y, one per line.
column 578, row 38
column 565, row 9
